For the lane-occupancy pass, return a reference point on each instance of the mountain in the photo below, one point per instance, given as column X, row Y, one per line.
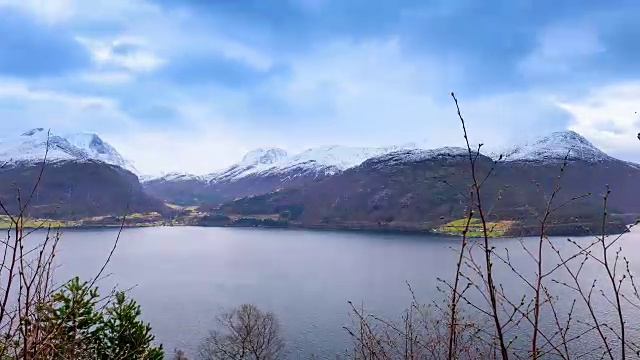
column 556, row 147
column 422, row 189
column 588, row 169
column 180, row 189
column 262, row 171
column 80, row 176
column 254, row 162
column 31, row 146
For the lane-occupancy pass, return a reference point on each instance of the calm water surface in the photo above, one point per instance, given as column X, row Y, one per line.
column 183, row 276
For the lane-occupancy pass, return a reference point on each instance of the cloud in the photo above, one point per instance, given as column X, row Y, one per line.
column 23, row 107
column 608, row 116
column 217, row 69
column 122, row 53
column 561, row 49
column 50, row 11
column 79, row 11
column 106, row 77
column 196, row 80
column 160, row 114
column 30, row 49
column 197, row 152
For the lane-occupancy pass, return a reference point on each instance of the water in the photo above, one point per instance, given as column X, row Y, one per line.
column 183, row 276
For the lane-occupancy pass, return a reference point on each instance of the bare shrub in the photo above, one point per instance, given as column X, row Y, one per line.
column 243, row 333
column 42, row 320
column 179, row 355
column 422, row 333
column 568, row 299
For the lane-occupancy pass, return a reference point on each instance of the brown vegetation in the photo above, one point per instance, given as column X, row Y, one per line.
column 244, row 333
column 40, row 319
column 508, row 322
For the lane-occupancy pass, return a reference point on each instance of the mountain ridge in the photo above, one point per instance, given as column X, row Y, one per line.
column 335, row 158
column 554, row 147
column 73, row 175
column 252, row 176
column 32, row 146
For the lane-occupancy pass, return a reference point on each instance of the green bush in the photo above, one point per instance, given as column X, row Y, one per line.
column 82, row 327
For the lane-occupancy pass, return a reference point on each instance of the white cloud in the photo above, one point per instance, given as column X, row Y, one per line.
column 360, row 94
column 24, row 107
column 176, row 33
column 201, row 143
column 367, row 93
column 60, row 11
column 561, row 48
column 371, row 93
column 608, row 116
column 21, row 91
column 49, row 11
column 107, row 77
column 136, row 59
column 157, row 152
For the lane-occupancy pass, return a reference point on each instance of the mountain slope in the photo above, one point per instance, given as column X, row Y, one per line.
column 262, row 171
column 75, row 190
column 254, row 162
column 422, row 189
column 180, row 189
column 556, row 147
column 31, row 147
column 82, row 176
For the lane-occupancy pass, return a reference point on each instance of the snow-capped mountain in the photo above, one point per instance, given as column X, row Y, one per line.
column 31, row 147
column 321, row 161
column 172, row 176
column 255, row 161
column 262, row 171
column 331, row 159
column 415, row 155
column 264, row 156
column 273, row 171
column 555, row 147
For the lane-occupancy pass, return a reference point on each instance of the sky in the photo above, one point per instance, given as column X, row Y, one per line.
column 192, row 85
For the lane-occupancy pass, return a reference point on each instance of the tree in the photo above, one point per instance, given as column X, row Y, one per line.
column 41, row 321
column 179, row 355
column 78, row 325
column 123, row 335
column 72, row 321
column 245, row 333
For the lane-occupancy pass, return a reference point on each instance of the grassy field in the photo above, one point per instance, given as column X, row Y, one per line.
column 32, row 223
column 456, row 227
column 135, row 219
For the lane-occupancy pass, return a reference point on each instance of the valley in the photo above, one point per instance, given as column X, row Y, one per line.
column 85, row 182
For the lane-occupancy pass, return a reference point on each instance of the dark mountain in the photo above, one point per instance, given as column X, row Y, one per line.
column 419, row 190
column 181, row 189
column 74, row 190
column 260, row 171
column 83, row 176
column 192, row 190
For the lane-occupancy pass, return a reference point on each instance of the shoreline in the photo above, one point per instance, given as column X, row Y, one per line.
column 362, row 229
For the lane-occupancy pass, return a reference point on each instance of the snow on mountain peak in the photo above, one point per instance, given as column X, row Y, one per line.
column 323, row 160
column 33, row 132
column 409, row 155
column 264, row 156
column 172, row 176
column 255, row 161
column 555, row 147
column 331, row 159
column 32, row 145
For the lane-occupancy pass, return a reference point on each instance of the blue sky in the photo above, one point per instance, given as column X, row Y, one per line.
column 192, row 85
